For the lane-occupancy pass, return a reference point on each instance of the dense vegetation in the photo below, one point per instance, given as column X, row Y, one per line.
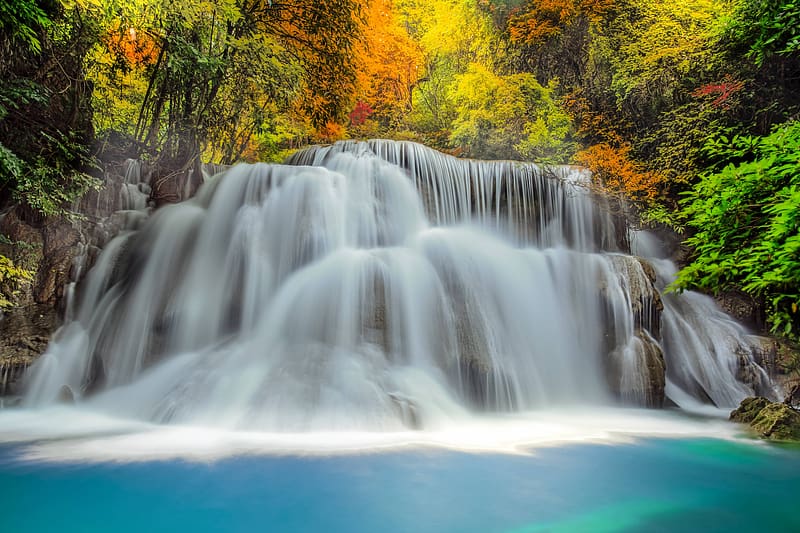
column 686, row 108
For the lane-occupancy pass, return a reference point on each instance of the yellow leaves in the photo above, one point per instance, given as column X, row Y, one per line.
column 614, row 169
column 200, row 12
column 656, row 42
column 12, row 277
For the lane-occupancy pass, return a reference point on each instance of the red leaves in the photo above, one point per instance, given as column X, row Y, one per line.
column 360, row 113
column 722, row 90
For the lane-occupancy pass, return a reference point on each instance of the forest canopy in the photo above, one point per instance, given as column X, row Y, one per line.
column 686, row 109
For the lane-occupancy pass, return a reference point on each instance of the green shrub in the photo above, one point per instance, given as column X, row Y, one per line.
column 746, row 217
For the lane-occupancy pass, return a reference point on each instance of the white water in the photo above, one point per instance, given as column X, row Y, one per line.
column 369, row 295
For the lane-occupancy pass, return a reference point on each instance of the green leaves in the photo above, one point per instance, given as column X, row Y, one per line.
column 746, row 217
column 22, row 20
column 765, row 28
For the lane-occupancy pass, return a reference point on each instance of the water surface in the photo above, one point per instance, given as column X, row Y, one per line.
column 649, row 485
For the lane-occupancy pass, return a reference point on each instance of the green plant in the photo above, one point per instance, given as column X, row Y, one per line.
column 12, row 278
column 746, row 217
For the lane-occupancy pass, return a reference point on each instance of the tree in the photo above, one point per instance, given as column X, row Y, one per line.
column 219, row 72
column 509, row 117
column 391, row 65
column 45, row 117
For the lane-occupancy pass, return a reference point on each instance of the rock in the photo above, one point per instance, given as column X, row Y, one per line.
column 792, row 398
column 25, row 334
column 641, row 381
column 771, row 420
column 743, row 307
column 65, row 395
column 639, row 277
column 779, row 422
column 748, row 410
column 60, row 241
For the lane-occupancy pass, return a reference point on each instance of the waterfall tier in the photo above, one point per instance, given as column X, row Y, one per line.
column 384, row 285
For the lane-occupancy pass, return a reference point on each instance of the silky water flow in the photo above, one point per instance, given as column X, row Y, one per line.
column 385, row 286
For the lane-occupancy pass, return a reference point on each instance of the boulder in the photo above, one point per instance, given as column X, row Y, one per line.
column 749, row 409
column 771, row 420
column 779, row 422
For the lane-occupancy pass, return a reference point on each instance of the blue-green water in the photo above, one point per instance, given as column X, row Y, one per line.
column 653, row 485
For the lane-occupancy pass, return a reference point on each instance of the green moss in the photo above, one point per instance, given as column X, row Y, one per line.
column 778, row 421
column 749, row 409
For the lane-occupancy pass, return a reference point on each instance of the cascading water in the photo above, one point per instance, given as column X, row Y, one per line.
column 383, row 285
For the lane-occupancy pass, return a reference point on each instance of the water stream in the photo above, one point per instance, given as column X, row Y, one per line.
column 384, row 286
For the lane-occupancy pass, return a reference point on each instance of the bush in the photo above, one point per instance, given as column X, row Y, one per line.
column 746, row 215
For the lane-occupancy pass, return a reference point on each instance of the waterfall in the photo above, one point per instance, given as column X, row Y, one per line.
column 383, row 285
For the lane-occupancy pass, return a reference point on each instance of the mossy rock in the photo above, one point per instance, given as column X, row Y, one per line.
column 749, row 409
column 778, row 421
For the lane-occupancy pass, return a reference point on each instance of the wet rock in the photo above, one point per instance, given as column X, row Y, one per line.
column 779, row 422
column 60, row 240
column 748, row 410
column 639, row 277
column 65, row 395
column 765, row 352
column 743, row 307
column 25, row 333
column 792, row 398
column 637, row 373
column 771, row 420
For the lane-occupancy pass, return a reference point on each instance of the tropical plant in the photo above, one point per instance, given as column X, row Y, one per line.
column 745, row 214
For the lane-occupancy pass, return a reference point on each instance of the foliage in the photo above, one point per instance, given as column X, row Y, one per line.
column 509, row 117
column 453, row 36
column 614, row 169
column 746, row 215
column 764, row 28
column 391, row 65
column 541, row 20
column 22, row 20
column 12, row 278
column 655, row 47
column 43, row 117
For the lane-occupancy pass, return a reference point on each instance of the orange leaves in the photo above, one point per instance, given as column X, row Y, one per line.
column 390, row 63
column 613, row 168
column 330, row 132
column 132, row 47
column 531, row 31
column 541, row 20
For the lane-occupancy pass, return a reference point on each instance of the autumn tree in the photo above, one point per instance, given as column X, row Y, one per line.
column 390, row 66
column 221, row 73
column 509, row 117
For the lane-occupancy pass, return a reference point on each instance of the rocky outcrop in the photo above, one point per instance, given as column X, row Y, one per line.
column 748, row 410
column 635, row 366
column 25, row 334
column 770, row 420
column 59, row 250
column 743, row 307
column 778, row 421
column 637, row 372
